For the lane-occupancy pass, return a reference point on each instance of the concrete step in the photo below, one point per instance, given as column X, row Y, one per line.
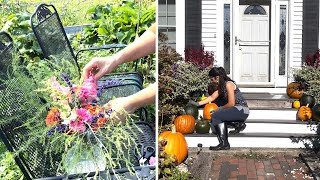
column 252, row 141
column 278, row 114
column 266, row 100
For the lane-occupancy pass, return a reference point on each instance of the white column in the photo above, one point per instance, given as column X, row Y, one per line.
column 180, row 26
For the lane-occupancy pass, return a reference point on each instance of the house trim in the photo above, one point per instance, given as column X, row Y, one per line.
column 180, row 26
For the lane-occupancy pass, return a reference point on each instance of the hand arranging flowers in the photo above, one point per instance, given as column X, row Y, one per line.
column 60, row 125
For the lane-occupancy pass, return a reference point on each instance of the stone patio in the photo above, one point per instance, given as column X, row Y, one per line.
column 251, row 164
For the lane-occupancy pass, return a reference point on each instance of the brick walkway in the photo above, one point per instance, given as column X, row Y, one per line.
column 279, row 167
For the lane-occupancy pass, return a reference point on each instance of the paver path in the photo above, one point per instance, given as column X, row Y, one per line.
column 228, row 167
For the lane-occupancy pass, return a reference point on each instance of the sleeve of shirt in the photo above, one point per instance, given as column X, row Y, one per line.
column 153, row 28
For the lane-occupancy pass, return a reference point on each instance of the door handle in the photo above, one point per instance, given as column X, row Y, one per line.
column 237, row 40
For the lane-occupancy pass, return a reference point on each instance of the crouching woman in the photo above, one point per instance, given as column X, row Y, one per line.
column 235, row 110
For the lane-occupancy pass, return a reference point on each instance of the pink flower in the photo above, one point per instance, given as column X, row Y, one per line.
column 84, row 115
column 77, row 126
column 152, row 161
column 88, row 90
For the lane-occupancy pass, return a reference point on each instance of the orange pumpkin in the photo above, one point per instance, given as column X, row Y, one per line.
column 176, row 144
column 185, row 124
column 294, row 91
column 304, row 113
column 208, row 108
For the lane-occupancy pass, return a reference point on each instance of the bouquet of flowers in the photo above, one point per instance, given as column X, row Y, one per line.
column 75, row 108
column 63, row 123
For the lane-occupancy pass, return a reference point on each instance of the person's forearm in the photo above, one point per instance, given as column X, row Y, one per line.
column 144, row 97
column 143, row 46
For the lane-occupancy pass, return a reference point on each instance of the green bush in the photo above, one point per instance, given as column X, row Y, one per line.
column 117, row 23
column 178, row 81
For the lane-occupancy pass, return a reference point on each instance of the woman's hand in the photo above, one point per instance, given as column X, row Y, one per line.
column 121, row 107
column 100, row 66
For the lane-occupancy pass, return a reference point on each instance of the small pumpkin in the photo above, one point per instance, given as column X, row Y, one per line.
column 296, row 104
column 294, row 90
column 176, row 144
column 304, row 113
column 208, row 108
column 185, row 124
column 192, row 110
column 316, row 112
column 307, row 99
column 201, row 98
column 202, row 126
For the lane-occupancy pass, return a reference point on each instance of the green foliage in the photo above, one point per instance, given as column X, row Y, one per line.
column 8, row 169
column 178, row 81
column 18, row 26
column 310, row 77
column 117, row 23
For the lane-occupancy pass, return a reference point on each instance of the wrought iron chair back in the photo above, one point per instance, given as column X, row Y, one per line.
column 6, row 49
column 48, row 29
column 52, row 38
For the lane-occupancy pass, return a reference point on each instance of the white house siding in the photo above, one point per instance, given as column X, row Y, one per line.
column 295, row 33
column 209, row 25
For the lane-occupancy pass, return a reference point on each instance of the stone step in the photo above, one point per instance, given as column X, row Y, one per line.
column 266, row 114
column 253, row 140
column 266, row 100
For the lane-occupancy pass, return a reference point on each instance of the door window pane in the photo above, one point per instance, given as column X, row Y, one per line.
column 227, row 38
column 282, row 40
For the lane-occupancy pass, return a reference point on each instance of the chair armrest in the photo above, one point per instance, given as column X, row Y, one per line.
column 107, row 46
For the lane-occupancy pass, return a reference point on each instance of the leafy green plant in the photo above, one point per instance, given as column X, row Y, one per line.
column 117, row 23
column 178, row 81
column 18, row 26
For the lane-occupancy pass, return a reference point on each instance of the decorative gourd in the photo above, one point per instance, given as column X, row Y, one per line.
column 316, row 112
column 307, row 99
column 176, row 144
column 296, row 104
column 304, row 113
column 202, row 126
column 200, row 98
column 185, row 124
column 207, row 110
column 294, row 90
column 192, row 110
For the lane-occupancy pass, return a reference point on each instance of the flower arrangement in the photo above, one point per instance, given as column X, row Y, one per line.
column 75, row 108
column 62, row 121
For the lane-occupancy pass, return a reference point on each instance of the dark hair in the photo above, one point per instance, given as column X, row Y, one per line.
column 223, row 78
column 211, row 88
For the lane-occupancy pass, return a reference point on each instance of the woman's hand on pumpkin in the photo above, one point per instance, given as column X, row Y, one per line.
column 100, row 66
column 193, row 103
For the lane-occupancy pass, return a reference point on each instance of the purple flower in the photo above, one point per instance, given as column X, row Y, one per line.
column 108, row 84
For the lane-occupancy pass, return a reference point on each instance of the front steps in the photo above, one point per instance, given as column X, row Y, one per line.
column 271, row 124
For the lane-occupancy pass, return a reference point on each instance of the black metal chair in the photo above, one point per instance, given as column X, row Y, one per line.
column 32, row 161
column 6, row 49
column 52, row 38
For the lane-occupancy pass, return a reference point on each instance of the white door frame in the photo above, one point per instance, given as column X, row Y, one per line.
column 281, row 80
column 236, row 54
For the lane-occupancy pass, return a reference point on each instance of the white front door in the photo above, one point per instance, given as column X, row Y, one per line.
column 252, row 45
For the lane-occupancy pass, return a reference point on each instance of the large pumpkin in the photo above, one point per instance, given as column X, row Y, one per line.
column 316, row 112
column 176, row 144
column 202, row 126
column 304, row 113
column 294, row 90
column 208, row 108
column 192, row 110
column 185, row 124
column 307, row 99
